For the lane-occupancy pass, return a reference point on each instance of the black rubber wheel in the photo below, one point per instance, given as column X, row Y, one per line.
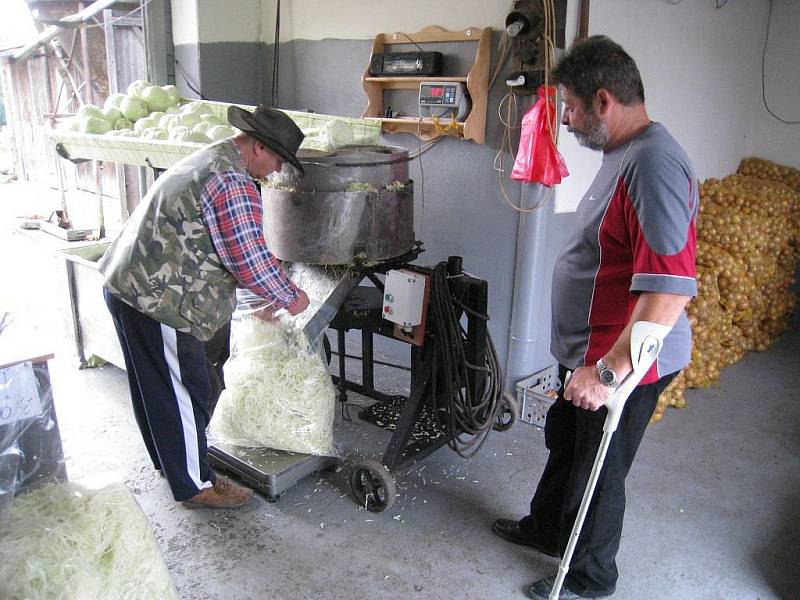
column 507, row 413
column 372, row 485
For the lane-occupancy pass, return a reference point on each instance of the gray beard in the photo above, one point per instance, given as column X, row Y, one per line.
column 594, row 134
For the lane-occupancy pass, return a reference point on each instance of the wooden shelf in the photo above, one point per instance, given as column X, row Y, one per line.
column 407, row 83
column 476, row 80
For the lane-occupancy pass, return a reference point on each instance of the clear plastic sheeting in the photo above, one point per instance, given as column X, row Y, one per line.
column 279, row 393
column 64, row 542
column 30, row 444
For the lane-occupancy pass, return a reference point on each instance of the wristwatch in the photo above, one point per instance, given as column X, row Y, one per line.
column 606, row 374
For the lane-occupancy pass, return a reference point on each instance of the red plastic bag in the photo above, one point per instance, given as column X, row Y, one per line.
column 538, row 161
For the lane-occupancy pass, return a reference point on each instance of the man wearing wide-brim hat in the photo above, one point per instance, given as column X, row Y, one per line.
column 170, row 281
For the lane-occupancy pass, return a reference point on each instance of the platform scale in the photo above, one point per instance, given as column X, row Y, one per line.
column 269, row 472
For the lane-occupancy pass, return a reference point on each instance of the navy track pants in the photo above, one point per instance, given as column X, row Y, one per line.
column 170, row 392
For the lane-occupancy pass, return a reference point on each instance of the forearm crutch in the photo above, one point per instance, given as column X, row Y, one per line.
column 646, row 341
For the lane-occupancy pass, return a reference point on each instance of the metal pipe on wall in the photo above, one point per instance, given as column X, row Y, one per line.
column 529, row 331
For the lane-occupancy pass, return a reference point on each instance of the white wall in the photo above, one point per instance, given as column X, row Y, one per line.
column 362, row 19
column 254, row 20
column 772, row 139
column 700, row 68
column 210, row 21
column 184, row 22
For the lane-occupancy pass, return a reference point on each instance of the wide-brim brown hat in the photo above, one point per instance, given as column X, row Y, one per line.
column 273, row 128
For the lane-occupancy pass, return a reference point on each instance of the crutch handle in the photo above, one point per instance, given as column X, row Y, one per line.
column 647, row 338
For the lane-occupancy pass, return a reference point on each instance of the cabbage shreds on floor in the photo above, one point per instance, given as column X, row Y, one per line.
column 64, row 542
column 277, row 394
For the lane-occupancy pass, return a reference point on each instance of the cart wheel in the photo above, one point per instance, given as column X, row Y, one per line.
column 507, row 413
column 372, row 485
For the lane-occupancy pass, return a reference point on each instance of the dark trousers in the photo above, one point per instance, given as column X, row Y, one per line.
column 572, row 435
column 218, row 351
column 170, row 390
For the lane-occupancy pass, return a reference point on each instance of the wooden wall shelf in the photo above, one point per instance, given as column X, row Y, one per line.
column 476, row 80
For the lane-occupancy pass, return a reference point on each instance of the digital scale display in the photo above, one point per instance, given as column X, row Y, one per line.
column 438, row 94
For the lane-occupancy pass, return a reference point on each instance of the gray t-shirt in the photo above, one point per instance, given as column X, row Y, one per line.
column 635, row 233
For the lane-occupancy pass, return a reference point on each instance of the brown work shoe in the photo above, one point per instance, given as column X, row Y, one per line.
column 223, row 494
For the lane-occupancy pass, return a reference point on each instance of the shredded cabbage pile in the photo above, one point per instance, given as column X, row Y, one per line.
column 396, row 186
column 358, row 186
column 65, row 542
column 278, row 395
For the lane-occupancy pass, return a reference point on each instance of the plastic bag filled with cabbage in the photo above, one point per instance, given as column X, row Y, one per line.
column 63, row 541
column 279, row 393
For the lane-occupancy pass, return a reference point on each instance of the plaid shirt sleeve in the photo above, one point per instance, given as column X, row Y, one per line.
column 233, row 212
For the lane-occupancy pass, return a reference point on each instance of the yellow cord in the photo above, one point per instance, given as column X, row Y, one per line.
column 445, row 128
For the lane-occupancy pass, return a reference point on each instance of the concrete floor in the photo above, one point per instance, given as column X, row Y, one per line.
column 713, row 499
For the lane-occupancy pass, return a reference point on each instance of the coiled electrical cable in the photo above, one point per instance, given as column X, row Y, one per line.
column 466, row 416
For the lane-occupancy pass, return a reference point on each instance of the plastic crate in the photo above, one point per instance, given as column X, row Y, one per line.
column 532, row 398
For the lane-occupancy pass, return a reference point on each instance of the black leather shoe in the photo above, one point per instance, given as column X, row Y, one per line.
column 541, row 591
column 509, row 530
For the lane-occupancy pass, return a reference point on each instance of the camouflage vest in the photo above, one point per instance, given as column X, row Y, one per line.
column 163, row 262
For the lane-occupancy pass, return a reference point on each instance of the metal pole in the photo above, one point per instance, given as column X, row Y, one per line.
column 529, row 331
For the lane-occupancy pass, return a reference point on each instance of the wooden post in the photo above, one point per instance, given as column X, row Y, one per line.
column 113, row 87
column 98, row 183
column 111, row 51
column 583, row 23
column 87, row 67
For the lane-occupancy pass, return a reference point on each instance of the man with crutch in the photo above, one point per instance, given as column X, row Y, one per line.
column 631, row 259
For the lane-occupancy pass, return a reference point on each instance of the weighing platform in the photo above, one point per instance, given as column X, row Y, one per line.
column 269, row 472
